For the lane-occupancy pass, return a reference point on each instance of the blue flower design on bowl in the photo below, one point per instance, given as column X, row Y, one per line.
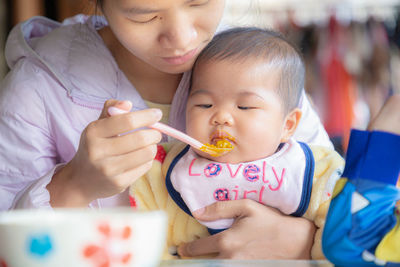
column 40, row 245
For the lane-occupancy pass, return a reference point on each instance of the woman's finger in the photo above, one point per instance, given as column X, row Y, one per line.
column 122, row 163
column 120, row 124
column 130, row 176
column 203, row 246
column 119, row 145
column 226, row 210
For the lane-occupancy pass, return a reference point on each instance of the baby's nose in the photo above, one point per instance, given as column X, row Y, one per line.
column 222, row 118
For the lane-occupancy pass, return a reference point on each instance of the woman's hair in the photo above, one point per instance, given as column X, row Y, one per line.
column 99, row 4
column 243, row 43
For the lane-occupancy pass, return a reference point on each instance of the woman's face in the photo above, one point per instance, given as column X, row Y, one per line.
column 166, row 34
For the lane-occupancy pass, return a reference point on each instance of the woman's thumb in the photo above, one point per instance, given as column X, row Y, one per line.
column 224, row 210
column 123, row 106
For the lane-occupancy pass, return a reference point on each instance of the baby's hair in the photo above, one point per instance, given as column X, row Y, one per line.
column 268, row 46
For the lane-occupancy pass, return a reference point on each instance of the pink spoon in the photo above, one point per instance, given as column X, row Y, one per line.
column 213, row 150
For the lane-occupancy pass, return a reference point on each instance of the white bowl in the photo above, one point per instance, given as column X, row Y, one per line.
column 81, row 237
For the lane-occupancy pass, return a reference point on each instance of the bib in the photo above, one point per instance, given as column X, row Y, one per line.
column 282, row 180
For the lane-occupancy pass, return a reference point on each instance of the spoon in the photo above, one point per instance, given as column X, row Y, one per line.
column 221, row 147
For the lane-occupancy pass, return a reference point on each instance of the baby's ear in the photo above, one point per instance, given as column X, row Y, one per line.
column 290, row 125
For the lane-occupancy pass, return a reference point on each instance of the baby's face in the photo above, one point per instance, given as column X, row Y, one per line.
column 236, row 101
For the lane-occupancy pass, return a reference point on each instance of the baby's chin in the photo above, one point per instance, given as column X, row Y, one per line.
column 233, row 157
column 224, row 158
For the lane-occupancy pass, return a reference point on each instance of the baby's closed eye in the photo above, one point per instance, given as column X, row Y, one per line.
column 246, row 107
column 204, row 105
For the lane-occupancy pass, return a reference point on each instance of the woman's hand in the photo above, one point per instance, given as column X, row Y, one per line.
column 107, row 160
column 388, row 118
column 259, row 232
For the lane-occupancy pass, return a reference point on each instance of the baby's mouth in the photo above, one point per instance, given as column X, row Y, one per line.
column 221, row 136
column 220, row 143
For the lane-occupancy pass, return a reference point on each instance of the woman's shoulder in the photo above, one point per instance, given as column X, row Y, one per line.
column 40, row 37
column 70, row 54
column 24, row 92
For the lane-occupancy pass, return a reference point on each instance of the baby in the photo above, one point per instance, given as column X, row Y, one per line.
column 246, row 87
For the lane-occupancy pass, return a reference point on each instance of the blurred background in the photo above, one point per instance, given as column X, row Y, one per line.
column 351, row 48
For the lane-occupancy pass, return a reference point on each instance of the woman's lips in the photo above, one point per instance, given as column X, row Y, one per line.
column 181, row 59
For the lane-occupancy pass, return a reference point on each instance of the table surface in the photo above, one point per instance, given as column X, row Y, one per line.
column 244, row 263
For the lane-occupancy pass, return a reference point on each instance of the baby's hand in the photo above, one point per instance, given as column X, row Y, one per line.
column 108, row 159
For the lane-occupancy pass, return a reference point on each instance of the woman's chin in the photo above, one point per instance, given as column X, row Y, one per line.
column 176, row 68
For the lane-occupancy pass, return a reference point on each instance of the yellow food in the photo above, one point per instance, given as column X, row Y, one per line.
column 221, row 147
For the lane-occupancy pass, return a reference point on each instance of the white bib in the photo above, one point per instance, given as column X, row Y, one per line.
column 282, row 180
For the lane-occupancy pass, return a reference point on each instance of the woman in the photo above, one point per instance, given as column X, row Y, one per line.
column 55, row 95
